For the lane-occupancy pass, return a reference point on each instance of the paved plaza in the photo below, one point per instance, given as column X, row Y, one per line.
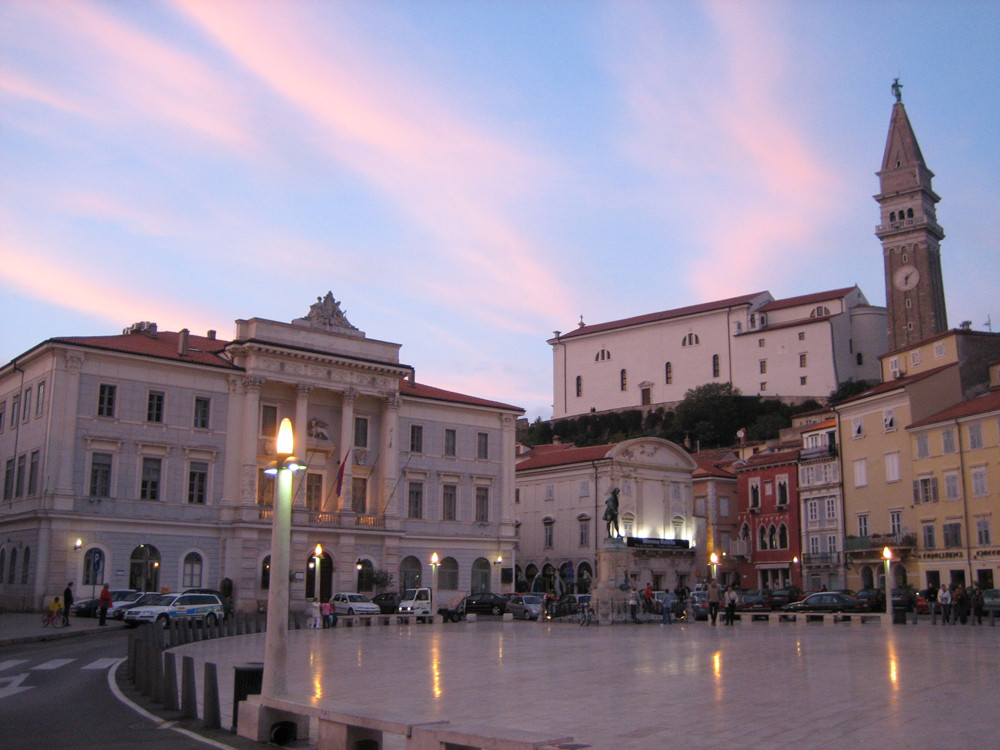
column 782, row 685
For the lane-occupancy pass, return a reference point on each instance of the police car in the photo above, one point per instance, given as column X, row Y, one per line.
column 206, row 608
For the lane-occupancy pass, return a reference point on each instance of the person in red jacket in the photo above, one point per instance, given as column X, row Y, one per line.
column 104, row 604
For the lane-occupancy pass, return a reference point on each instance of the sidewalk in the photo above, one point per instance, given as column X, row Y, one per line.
column 26, row 627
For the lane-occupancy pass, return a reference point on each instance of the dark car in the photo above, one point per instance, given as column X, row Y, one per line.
column 668, row 599
column 827, row 601
column 904, row 599
column 568, row 604
column 485, row 604
column 387, row 602
column 787, row 595
column 875, row 598
column 699, row 605
column 756, row 600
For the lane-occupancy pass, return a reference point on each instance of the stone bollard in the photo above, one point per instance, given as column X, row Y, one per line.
column 189, row 694
column 212, row 718
column 170, row 681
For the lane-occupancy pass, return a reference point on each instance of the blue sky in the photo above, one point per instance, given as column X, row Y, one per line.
column 467, row 177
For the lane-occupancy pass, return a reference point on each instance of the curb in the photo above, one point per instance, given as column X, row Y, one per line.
column 57, row 635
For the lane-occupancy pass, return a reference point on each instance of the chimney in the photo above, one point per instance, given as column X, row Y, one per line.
column 211, row 334
column 412, row 377
column 182, row 342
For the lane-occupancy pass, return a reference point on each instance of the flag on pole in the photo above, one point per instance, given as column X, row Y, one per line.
column 340, row 473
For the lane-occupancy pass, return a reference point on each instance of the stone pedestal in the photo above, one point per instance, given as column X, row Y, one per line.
column 614, row 560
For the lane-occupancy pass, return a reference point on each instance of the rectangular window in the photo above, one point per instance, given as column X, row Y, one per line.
column 889, row 420
column 948, row 440
column 814, row 545
column 980, row 487
column 268, row 421
column 19, row 482
column 831, row 543
column 197, row 488
column 857, row 427
column 314, row 491
column 863, row 525
column 760, row 343
column 915, row 357
column 415, row 500
column 938, row 351
column 8, row 480
column 361, row 432
column 983, row 532
column 952, row 533
column 813, row 509
column 33, row 473
column 763, row 386
column 154, row 406
column 100, row 475
column 27, row 404
column 483, row 445
column 724, row 507
column 782, row 487
column 803, row 360
column 265, row 489
column 550, row 492
column 39, row 402
column 925, row 490
column 802, row 335
column 450, row 442
column 202, row 411
column 15, row 410
column 923, row 446
column 416, row 438
column 892, row 467
column 106, row 400
column 668, row 373
column 894, row 366
column 584, row 533
column 3, row 415
column 803, row 380
column 861, row 472
column 952, row 488
column 547, row 542
column 831, row 508
column 929, row 540
column 763, row 366
column 895, row 522
column 975, row 436
column 482, row 504
column 755, row 493
column 359, row 495
column 149, row 484
column 449, row 502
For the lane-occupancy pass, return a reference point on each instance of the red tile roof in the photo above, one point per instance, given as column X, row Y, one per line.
column 767, row 459
column 419, row 390
column 979, row 405
column 680, row 312
column 162, row 345
column 808, row 299
column 536, row 459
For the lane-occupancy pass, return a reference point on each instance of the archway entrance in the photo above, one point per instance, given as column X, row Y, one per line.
column 325, row 589
column 144, row 568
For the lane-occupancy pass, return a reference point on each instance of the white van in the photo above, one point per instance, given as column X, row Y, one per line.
column 415, row 602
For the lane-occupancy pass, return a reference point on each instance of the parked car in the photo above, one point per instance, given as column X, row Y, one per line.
column 485, row 604
column 119, row 611
column 923, row 607
column 90, row 607
column 668, row 599
column 787, row 595
column 755, row 600
column 525, row 606
column 991, row 601
column 352, row 603
column 904, row 599
column 416, row 602
column 699, row 605
column 874, row 597
column 827, row 601
column 207, row 608
column 387, row 602
column 568, row 604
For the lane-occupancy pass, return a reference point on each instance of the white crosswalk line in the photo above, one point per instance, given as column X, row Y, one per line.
column 11, row 663
column 54, row 664
column 101, row 664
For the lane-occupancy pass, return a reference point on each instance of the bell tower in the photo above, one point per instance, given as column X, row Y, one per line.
column 910, row 235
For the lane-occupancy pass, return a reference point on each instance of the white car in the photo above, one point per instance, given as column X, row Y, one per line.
column 166, row 607
column 354, row 604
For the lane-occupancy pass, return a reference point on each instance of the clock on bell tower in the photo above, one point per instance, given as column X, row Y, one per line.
column 910, row 235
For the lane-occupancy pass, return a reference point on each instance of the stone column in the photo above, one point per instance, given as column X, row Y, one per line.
column 300, row 433
column 388, row 457
column 65, row 392
column 251, row 433
column 346, row 445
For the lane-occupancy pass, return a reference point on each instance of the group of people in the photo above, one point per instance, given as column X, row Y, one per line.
column 321, row 614
column 60, row 607
column 956, row 603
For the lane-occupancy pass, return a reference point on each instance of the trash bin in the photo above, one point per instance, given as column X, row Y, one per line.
column 899, row 615
column 247, row 680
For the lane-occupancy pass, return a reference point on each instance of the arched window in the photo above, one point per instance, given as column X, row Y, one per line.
column 624, row 379
column 892, row 216
column 548, row 532
column 25, row 565
column 909, row 213
column 782, row 537
column 772, row 537
column 602, row 355
column 584, row 577
column 265, row 573
column 867, row 578
column 579, row 386
column 144, row 568
column 530, row 574
column 480, row 576
column 191, row 577
column 690, row 340
column 762, row 538
column 819, row 311
column 366, row 575
column 12, row 573
column 677, row 524
column 745, row 532
column 715, row 365
column 448, row 574
column 323, row 565
column 668, row 373
column 93, row 567
column 409, row 572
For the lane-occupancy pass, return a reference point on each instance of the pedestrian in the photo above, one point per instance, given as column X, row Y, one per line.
column 668, row 618
column 633, row 605
column 977, row 605
column 944, row 599
column 67, row 601
column 586, row 614
column 714, row 594
column 324, row 611
column 960, row 605
column 104, row 603
column 647, row 595
column 55, row 608
column 314, row 613
column 931, row 597
column 333, row 614
column 730, row 602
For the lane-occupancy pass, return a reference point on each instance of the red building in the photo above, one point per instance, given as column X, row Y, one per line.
column 769, row 545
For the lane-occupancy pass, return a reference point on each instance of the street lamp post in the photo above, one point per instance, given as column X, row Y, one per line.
column 317, row 579
column 275, row 650
column 435, row 562
column 887, row 556
column 714, row 560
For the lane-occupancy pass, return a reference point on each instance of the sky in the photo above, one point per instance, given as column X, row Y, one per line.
column 468, row 177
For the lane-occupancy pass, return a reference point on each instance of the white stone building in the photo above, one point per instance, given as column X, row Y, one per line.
column 795, row 349
column 138, row 459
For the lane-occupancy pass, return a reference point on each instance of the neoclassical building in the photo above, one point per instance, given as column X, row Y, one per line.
column 138, row 459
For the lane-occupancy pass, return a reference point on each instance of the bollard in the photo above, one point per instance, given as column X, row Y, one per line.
column 170, row 681
column 189, row 694
column 157, row 675
column 212, row 718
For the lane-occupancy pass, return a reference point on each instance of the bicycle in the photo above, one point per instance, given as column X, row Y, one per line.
column 55, row 619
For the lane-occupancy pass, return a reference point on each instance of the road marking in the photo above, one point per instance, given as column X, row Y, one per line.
column 101, row 664
column 12, row 685
column 54, row 664
column 11, row 663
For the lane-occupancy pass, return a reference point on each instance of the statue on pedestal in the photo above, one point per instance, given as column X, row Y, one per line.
column 611, row 513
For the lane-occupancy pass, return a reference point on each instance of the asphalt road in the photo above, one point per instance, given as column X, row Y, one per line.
column 56, row 695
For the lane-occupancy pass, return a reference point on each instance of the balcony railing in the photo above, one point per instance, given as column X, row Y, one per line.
column 823, row 451
column 821, row 559
column 876, row 542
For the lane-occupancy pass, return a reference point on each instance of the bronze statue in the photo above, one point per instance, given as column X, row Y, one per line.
column 611, row 513
column 897, row 89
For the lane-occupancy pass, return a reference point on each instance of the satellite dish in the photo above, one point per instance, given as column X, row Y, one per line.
column 741, row 433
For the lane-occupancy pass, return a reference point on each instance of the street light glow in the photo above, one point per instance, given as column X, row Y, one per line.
column 286, row 440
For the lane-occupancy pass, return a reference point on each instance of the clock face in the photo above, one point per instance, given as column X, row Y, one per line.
column 906, row 278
